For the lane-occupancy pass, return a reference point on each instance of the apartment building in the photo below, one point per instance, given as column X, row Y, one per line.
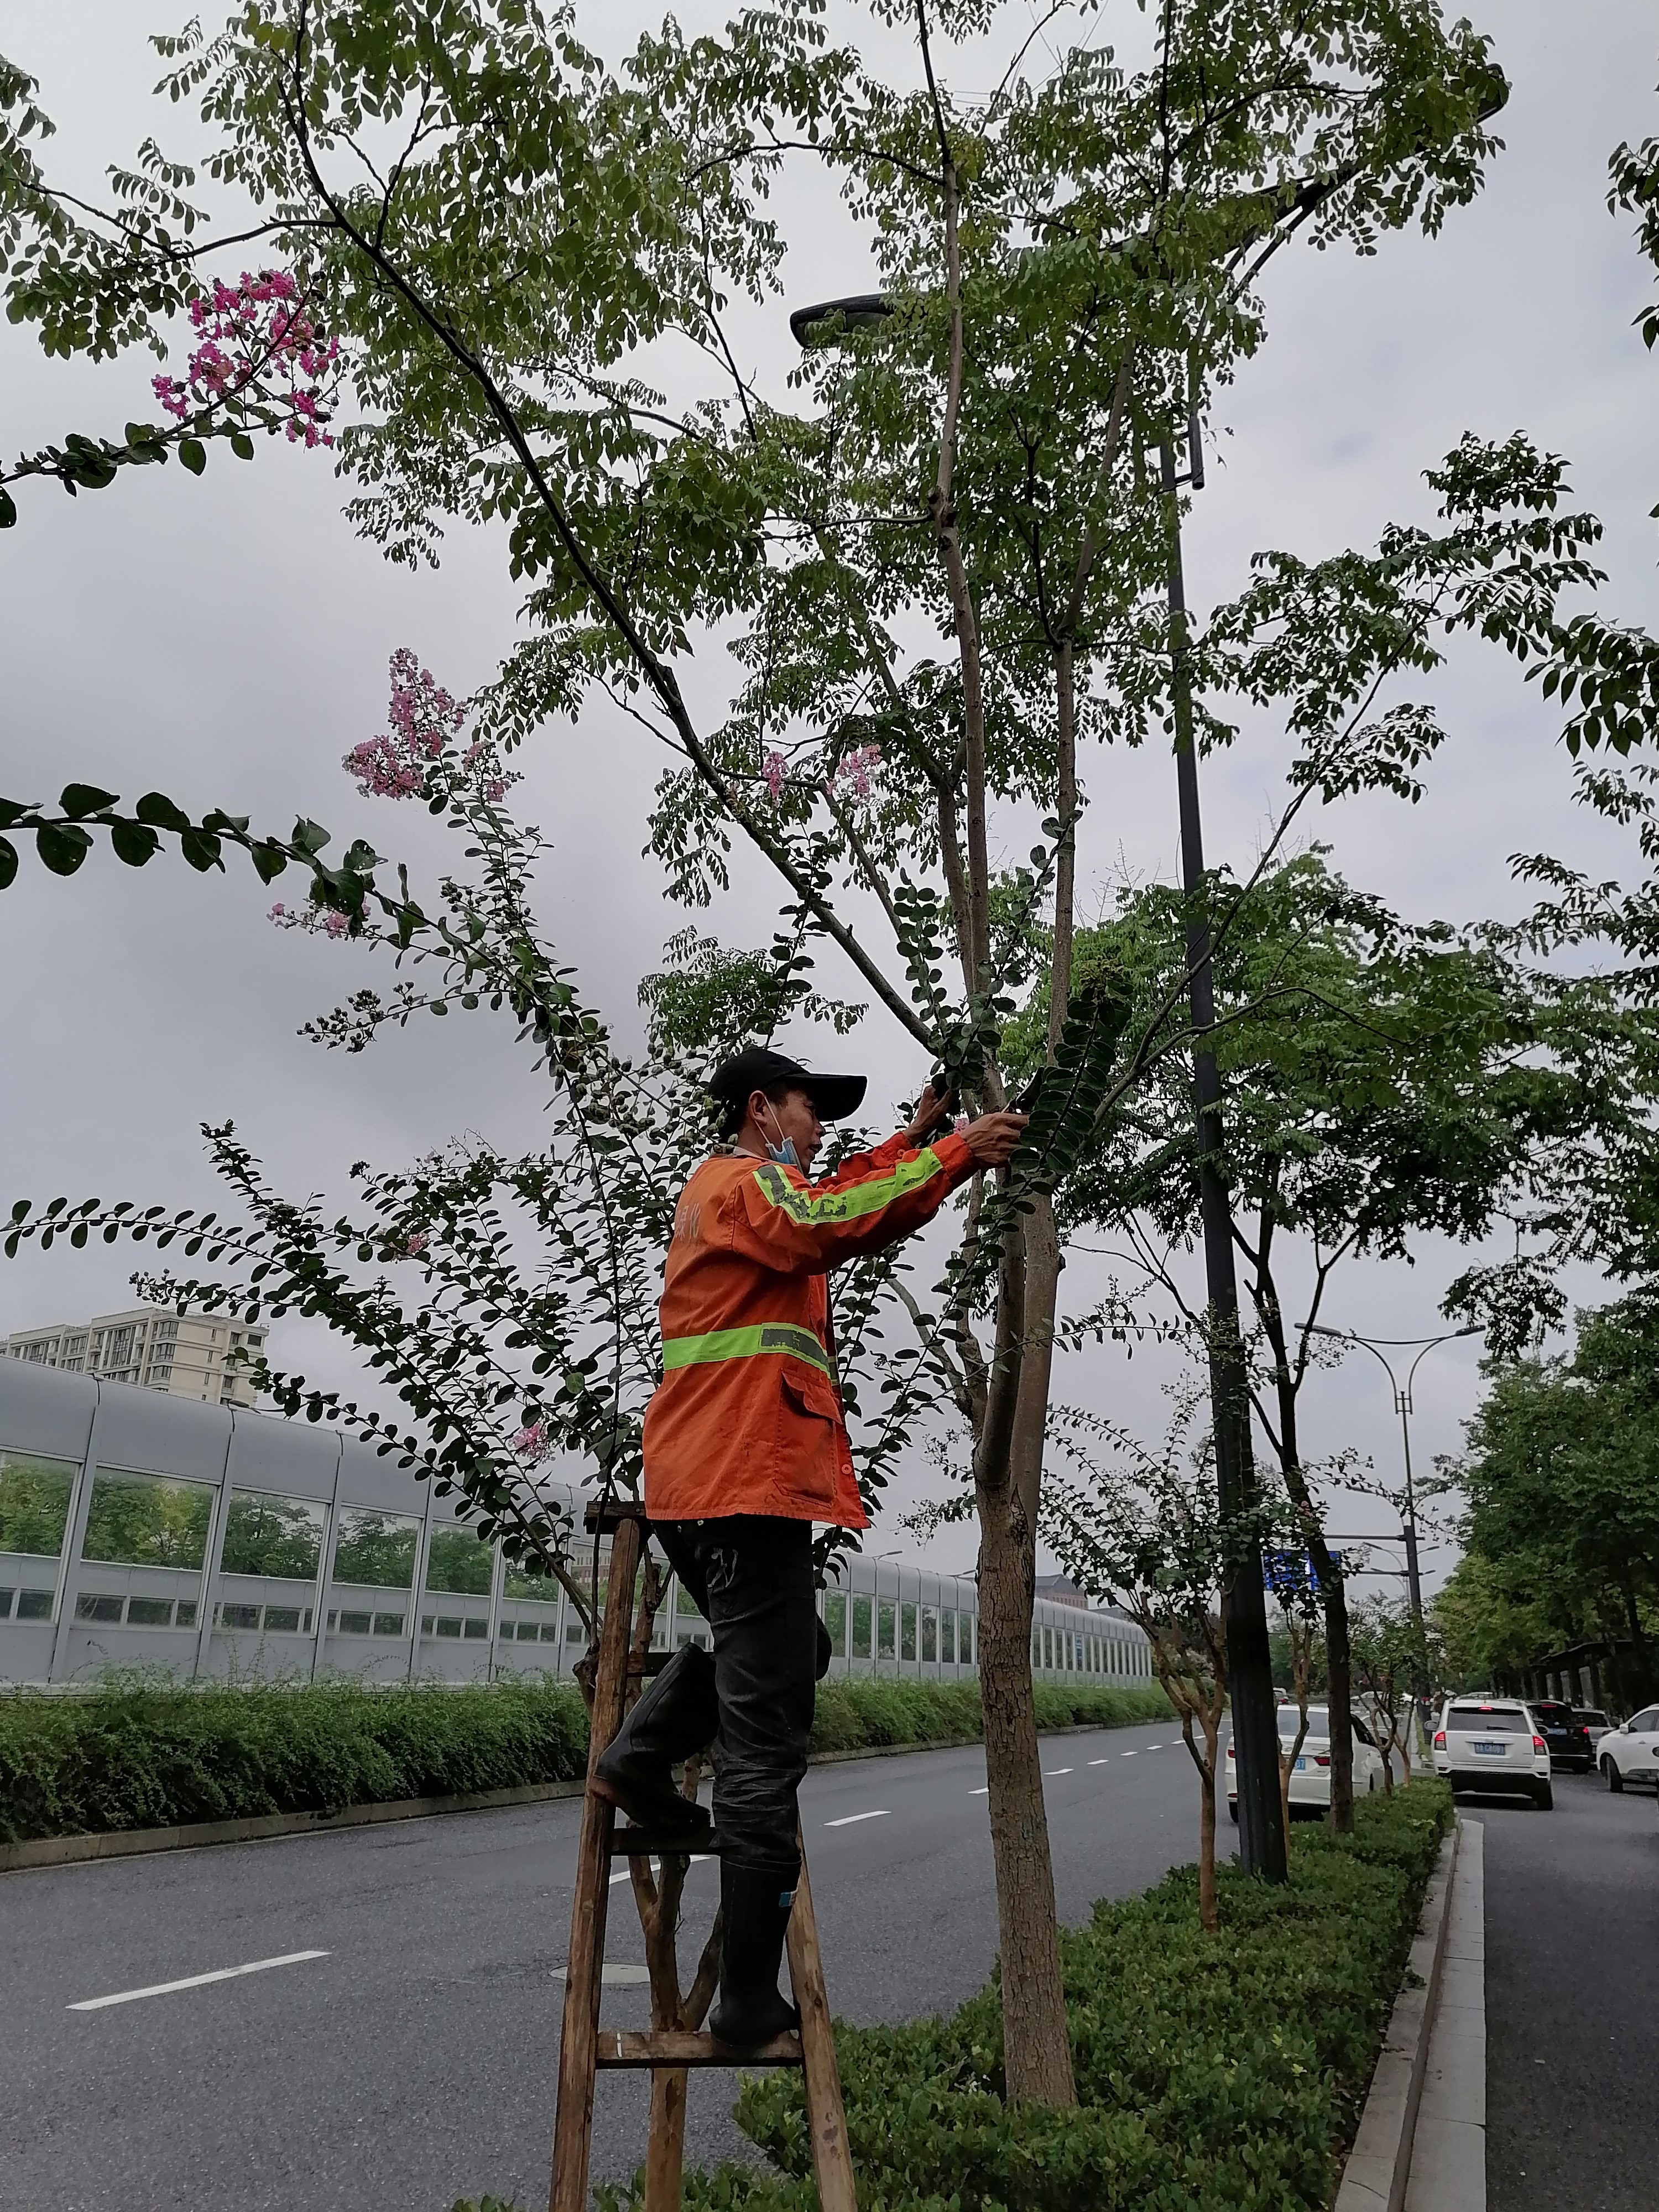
column 189, row 1355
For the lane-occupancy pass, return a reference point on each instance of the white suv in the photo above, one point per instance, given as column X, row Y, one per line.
column 1629, row 1753
column 1491, row 1744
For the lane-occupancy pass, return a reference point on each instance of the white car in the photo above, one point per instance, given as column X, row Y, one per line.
column 1310, row 1777
column 1491, row 1745
column 1629, row 1753
column 1595, row 1722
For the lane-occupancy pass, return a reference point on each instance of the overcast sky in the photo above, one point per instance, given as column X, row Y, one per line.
column 227, row 640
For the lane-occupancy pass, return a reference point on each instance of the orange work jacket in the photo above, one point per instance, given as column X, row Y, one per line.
column 747, row 1417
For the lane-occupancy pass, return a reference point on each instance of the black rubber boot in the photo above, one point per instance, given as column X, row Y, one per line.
column 677, row 1717
column 754, row 1904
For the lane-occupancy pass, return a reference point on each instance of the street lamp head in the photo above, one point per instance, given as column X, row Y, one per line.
column 832, row 319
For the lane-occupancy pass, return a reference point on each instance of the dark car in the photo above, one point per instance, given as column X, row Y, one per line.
column 1565, row 1733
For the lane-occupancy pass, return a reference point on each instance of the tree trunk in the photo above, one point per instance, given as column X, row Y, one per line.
column 1338, row 1663
column 1037, row 2048
column 1208, row 1917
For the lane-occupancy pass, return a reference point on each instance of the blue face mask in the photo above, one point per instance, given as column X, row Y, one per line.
column 784, row 1151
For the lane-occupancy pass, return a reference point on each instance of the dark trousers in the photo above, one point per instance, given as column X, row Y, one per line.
column 757, row 1596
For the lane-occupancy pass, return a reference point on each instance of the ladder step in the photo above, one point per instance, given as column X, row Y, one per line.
column 657, row 1843
column 678, row 2047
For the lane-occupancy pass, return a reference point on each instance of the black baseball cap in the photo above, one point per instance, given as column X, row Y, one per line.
column 756, row 1067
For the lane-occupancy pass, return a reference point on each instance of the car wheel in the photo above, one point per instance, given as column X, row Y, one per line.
column 1545, row 1799
column 1615, row 1779
column 1232, row 1810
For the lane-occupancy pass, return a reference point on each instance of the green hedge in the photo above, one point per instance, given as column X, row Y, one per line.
column 1217, row 2073
column 155, row 1758
column 148, row 1757
column 863, row 1712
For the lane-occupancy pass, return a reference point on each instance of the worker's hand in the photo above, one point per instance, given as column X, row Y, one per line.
column 994, row 1137
column 932, row 1108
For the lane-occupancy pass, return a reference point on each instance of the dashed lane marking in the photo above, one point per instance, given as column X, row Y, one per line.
column 1100, row 1762
column 984, row 1791
column 698, row 1858
column 1052, row 1771
column 848, row 1820
column 195, row 1981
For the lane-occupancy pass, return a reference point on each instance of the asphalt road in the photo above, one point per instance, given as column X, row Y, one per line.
column 1572, row 2000
column 414, row 2061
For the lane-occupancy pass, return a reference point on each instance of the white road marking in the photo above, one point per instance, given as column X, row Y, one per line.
column 985, row 1792
column 848, row 1820
column 195, row 1981
column 1050, row 1774
column 698, row 1858
column 613, row 1976
column 1100, row 1762
column 1126, row 1755
column 1151, row 1746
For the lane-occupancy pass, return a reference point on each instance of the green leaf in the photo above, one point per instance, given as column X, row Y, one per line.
column 200, row 850
column 194, row 454
column 77, row 800
column 8, row 509
column 8, row 863
column 62, row 847
column 157, row 808
column 241, row 444
column 134, row 843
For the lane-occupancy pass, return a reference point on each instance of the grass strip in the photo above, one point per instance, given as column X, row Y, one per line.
column 145, row 1755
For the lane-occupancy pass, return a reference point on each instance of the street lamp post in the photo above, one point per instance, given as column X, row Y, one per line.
column 1244, row 1604
column 1402, row 1406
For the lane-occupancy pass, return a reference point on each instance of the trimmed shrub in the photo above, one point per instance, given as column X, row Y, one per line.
column 148, row 1756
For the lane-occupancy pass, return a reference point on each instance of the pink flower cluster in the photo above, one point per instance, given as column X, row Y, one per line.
column 321, row 921
column 856, row 768
column 258, row 346
column 424, row 719
column 532, row 1444
column 415, row 1245
column 774, row 768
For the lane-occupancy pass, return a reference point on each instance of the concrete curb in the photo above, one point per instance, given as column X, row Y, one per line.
column 1448, row 2149
column 1379, row 2166
column 134, row 1843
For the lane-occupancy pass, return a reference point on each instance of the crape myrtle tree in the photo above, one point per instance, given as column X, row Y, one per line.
column 526, row 1333
column 928, row 554
column 1145, row 1528
column 1390, row 1657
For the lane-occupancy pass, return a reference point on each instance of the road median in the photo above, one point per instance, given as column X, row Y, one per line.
column 138, row 1769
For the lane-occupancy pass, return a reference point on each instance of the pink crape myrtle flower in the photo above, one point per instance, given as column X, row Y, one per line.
column 336, row 925
column 856, row 768
column 415, row 1245
column 532, row 1444
column 258, row 346
column 774, row 767
column 425, row 721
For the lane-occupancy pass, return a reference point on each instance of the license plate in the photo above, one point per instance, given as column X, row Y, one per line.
column 1301, row 1766
column 1491, row 1750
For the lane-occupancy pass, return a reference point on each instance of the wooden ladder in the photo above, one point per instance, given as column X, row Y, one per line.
column 674, row 2042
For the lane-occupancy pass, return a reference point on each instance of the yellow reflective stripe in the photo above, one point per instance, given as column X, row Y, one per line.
column 813, row 1209
column 775, row 1338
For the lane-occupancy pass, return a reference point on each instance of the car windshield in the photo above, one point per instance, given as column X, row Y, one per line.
column 1557, row 1716
column 1319, row 1721
column 1591, row 1716
column 1488, row 1720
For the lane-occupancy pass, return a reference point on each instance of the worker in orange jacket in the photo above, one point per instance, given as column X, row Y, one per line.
column 745, row 1447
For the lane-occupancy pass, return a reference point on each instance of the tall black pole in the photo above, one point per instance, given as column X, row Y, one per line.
column 1244, row 1604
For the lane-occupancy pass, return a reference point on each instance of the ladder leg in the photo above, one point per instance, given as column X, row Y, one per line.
column 573, row 2132
column 664, row 2150
column 826, row 2115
